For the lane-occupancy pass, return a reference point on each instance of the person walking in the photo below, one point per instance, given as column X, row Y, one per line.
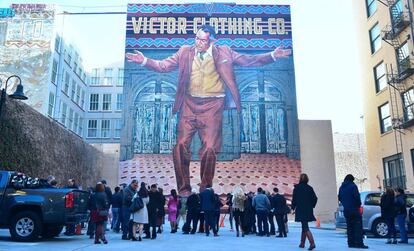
column 99, row 213
column 172, row 210
column 155, row 209
column 181, row 211
column 238, row 199
column 116, row 209
column 217, row 209
column 351, row 201
column 303, row 202
column 140, row 217
column 229, row 203
column 388, row 213
column 193, row 211
column 262, row 205
column 401, row 209
column 127, row 195
column 279, row 209
column 207, row 201
column 161, row 211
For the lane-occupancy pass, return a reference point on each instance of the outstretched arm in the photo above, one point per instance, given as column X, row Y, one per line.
column 165, row 65
column 260, row 59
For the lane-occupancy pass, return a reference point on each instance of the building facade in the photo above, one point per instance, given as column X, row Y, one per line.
column 386, row 51
column 50, row 69
column 105, row 105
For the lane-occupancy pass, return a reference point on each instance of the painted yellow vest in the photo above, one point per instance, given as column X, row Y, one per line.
column 204, row 79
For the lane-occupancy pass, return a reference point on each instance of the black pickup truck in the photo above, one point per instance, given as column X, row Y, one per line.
column 30, row 210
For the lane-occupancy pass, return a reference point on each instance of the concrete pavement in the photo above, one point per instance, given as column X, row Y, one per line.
column 326, row 239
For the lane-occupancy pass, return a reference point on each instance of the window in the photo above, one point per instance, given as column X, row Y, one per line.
column 118, row 127
column 92, row 128
column 375, row 38
column 76, row 122
column 108, row 77
column 3, row 30
column 385, row 118
column 105, row 128
column 95, row 77
column 120, row 76
column 106, row 105
column 51, row 104
column 408, row 99
column 68, row 58
column 54, row 71
column 412, row 158
column 403, row 52
column 80, row 130
column 66, row 84
column 371, row 7
column 75, row 67
column 119, row 104
column 396, row 10
column 70, row 122
column 394, row 172
column 63, row 116
column 72, row 94
column 94, row 102
column 57, row 44
column 373, row 199
column 380, row 77
column 82, row 105
column 78, row 93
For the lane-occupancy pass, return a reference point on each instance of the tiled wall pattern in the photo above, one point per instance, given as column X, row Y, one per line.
column 250, row 172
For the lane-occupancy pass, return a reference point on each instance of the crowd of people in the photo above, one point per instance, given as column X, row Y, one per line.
column 138, row 209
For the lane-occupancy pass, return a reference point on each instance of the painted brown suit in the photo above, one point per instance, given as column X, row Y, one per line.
column 202, row 115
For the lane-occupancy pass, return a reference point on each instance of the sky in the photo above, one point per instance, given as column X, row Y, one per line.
column 327, row 71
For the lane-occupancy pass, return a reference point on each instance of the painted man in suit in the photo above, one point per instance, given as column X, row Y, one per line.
column 206, row 86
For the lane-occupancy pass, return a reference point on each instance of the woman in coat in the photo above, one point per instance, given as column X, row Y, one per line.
column 237, row 201
column 140, row 217
column 99, row 212
column 303, row 202
column 172, row 210
column 388, row 213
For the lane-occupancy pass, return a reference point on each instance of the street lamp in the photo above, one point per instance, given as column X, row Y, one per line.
column 18, row 94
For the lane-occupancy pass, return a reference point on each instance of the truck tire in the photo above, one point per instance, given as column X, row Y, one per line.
column 380, row 228
column 50, row 231
column 25, row 226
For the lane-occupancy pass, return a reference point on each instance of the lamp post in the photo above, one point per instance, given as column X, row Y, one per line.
column 18, row 94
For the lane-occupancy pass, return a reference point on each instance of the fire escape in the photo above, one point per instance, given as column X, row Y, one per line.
column 396, row 78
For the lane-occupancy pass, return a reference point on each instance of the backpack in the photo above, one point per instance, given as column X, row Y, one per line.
column 137, row 204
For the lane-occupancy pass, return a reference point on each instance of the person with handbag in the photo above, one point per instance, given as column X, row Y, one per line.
column 139, row 212
column 100, row 212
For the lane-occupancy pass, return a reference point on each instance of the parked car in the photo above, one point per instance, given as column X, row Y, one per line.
column 371, row 214
column 30, row 208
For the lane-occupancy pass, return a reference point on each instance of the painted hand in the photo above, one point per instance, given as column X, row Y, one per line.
column 136, row 57
column 281, row 52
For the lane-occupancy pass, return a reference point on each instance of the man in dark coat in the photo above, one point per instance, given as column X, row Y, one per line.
column 279, row 209
column 155, row 205
column 193, row 211
column 351, row 201
column 116, row 208
column 208, row 203
column 127, row 195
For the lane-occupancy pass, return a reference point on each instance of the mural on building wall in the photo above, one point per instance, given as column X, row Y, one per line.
column 194, row 115
column 25, row 49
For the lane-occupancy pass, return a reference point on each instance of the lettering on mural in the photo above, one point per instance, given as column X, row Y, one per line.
column 223, row 25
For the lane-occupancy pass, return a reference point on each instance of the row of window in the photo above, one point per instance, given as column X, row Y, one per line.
column 73, row 121
column 108, row 78
column 102, row 128
column 408, row 109
column 94, row 102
